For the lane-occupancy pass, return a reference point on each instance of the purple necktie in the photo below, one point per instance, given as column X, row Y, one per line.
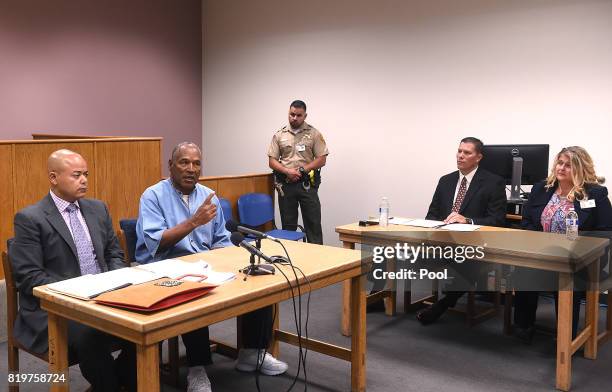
column 87, row 258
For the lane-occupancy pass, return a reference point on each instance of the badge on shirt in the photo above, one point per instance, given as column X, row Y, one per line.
column 300, row 147
column 587, row 203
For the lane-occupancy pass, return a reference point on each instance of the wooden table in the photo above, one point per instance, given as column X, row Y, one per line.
column 323, row 265
column 543, row 251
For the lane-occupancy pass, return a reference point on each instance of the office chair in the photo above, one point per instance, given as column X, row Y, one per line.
column 257, row 209
column 226, row 206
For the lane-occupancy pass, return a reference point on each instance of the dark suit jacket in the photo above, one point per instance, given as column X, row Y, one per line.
column 598, row 218
column 43, row 252
column 484, row 202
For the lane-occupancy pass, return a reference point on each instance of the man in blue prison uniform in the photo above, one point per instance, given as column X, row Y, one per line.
column 177, row 217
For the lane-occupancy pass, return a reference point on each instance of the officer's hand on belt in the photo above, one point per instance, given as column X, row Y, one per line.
column 293, row 175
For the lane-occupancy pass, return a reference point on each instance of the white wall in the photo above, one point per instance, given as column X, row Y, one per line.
column 394, row 85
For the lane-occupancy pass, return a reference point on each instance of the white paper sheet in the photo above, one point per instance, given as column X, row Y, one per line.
column 460, row 227
column 174, row 268
column 419, row 222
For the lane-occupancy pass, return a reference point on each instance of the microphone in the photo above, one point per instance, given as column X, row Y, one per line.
column 238, row 240
column 232, row 227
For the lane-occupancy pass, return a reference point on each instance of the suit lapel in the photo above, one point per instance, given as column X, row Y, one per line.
column 583, row 215
column 55, row 219
column 474, row 186
column 451, row 193
column 91, row 220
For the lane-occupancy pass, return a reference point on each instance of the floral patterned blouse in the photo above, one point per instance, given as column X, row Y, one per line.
column 553, row 216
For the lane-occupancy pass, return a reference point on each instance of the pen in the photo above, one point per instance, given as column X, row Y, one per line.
column 444, row 224
column 113, row 289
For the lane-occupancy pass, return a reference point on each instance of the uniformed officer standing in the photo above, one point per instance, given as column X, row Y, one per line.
column 296, row 154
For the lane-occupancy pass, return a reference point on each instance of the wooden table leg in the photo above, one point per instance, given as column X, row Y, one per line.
column 346, row 299
column 564, row 332
column 391, row 285
column 358, row 339
column 147, row 363
column 58, row 350
column 274, row 343
column 592, row 310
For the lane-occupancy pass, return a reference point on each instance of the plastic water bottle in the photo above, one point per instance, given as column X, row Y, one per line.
column 383, row 211
column 571, row 225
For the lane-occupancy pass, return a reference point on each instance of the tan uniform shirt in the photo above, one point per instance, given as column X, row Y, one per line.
column 294, row 149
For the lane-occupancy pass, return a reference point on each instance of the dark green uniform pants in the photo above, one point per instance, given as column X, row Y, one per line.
column 295, row 195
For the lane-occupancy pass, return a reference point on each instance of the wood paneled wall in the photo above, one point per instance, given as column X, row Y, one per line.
column 120, row 169
column 232, row 187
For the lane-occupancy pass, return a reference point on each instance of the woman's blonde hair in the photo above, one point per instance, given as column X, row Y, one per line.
column 583, row 172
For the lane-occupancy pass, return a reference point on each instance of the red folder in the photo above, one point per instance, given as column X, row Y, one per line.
column 155, row 295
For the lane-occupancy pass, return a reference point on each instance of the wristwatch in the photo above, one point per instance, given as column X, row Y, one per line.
column 302, row 171
column 469, row 221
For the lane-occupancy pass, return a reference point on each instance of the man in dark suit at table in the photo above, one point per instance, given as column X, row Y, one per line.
column 60, row 237
column 469, row 195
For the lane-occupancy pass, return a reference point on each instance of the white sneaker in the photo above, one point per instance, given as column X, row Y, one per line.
column 248, row 361
column 197, row 380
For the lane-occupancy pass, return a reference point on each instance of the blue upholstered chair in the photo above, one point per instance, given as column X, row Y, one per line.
column 257, row 209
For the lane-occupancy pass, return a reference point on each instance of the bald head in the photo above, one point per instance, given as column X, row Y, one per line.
column 67, row 174
column 60, row 158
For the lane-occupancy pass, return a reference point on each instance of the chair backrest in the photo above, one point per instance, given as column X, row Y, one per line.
column 255, row 209
column 12, row 306
column 11, row 295
column 128, row 226
column 226, row 206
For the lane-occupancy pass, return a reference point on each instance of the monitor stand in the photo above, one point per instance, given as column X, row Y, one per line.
column 515, row 202
column 515, row 187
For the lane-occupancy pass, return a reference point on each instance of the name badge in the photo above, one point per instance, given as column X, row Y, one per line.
column 300, row 147
column 587, row 203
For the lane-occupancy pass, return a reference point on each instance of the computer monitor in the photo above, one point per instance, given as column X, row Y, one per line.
column 517, row 164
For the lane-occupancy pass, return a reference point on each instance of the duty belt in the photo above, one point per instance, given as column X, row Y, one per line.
column 311, row 178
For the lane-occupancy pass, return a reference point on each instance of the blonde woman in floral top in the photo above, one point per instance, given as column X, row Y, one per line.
column 572, row 183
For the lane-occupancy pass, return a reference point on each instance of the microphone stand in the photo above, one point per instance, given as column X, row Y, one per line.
column 257, row 269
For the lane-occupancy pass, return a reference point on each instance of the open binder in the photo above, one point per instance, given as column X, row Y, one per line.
column 155, row 295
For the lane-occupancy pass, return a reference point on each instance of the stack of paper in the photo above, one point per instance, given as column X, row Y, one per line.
column 90, row 286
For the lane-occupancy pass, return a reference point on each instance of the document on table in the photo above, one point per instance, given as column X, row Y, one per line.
column 400, row 221
column 434, row 224
column 90, row 286
column 417, row 222
column 219, row 278
column 460, row 227
column 174, row 268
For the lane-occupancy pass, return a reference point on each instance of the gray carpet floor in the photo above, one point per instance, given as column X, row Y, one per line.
column 402, row 355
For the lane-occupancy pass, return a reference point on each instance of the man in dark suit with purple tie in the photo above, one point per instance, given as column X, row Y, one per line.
column 60, row 237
